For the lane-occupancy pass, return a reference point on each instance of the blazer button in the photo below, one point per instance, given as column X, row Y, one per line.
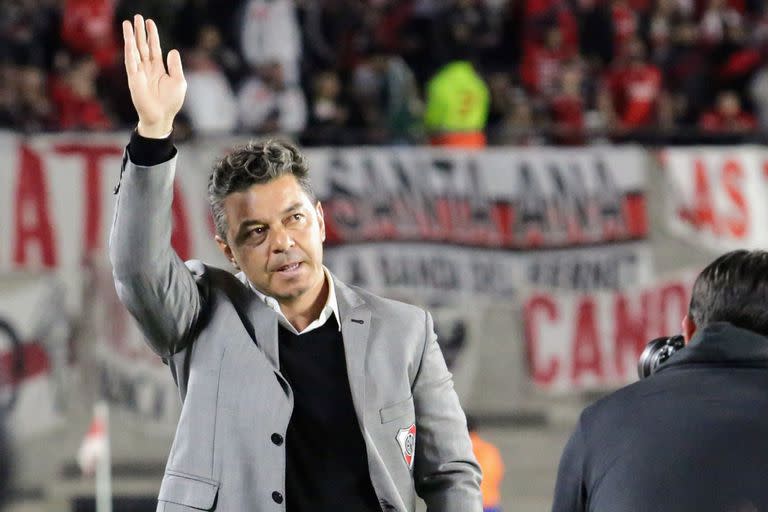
column 277, row 497
column 277, row 439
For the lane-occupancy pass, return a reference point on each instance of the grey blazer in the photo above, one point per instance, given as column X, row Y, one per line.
column 220, row 343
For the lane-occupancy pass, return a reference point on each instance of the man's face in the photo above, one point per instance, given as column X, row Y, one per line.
column 275, row 236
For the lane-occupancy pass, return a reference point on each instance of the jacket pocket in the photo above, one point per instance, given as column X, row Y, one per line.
column 395, row 411
column 191, row 491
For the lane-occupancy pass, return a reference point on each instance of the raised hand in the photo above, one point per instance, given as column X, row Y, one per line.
column 157, row 95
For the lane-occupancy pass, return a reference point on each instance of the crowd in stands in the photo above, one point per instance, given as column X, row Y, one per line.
column 349, row 72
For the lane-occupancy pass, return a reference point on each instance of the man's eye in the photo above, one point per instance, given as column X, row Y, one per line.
column 257, row 231
column 298, row 216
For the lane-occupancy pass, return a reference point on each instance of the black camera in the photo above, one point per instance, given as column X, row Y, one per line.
column 656, row 352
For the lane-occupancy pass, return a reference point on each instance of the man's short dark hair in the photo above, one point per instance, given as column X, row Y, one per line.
column 254, row 163
column 734, row 289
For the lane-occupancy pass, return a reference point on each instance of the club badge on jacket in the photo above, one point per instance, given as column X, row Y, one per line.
column 406, row 438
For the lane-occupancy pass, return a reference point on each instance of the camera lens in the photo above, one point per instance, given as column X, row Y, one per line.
column 656, row 352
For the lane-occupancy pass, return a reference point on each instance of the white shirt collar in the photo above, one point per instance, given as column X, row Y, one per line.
column 331, row 307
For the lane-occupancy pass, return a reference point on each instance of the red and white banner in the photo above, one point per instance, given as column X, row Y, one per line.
column 716, row 195
column 419, row 219
column 447, row 225
column 592, row 341
column 514, row 199
column 34, row 328
column 56, row 201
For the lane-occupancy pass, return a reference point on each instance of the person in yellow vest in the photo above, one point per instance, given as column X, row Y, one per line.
column 457, row 106
column 492, row 465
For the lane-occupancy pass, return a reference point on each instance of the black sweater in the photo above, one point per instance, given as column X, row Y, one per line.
column 326, row 460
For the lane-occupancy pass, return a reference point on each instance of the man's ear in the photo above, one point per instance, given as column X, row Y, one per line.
column 320, row 220
column 689, row 328
column 227, row 250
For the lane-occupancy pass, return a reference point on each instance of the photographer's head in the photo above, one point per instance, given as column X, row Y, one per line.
column 733, row 289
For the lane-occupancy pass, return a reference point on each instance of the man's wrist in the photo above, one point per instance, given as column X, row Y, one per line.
column 155, row 131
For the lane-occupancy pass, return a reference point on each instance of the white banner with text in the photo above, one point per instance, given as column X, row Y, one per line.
column 592, row 341
column 452, row 223
column 715, row 196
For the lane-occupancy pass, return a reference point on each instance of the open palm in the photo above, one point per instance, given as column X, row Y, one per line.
column 157, row 95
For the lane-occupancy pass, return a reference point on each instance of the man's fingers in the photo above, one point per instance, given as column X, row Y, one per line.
column 174, row 65
column 141, row 37
column 130, row 53
column 155, row 53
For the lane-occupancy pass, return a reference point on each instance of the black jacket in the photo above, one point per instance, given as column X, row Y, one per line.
column 692, row 437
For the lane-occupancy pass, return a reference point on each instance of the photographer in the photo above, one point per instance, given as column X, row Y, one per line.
column 693, row 436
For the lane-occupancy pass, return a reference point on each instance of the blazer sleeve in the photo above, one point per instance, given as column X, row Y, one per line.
column 446, row 473
column 570, row 490
column 150, row 278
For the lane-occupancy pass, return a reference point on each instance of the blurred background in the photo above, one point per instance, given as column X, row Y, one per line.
column 546, row 176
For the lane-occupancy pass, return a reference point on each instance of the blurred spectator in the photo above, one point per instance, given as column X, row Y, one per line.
column 511, row 117
column 267, row 103
column 457, row 106
column 387, row 99
column 7, row 96
column 758, row 90
column 596, row 33
column 716, row 20
column 727, row 116
column 211, row 42
column 538, row 13
column 29, row 32
column 635, row 91
column 420, row 36
column 464, row 23
column 735, row 59
column 521, row 126
column 393, row 18
column 760, row 28
column 492, row 465
column 457, row 96
column 625, row 26
column 329, row 33
column 170, row 14
column 505, row 53
column 501, row 102
column 664, row 19
column 270, row 33
column 87, row 28
column 33, row 109
column 328, row 114
column 190, row 16
column 543, row 63
column 567, row 108
column 686, row 74
column 77, row 106
column 210, row 105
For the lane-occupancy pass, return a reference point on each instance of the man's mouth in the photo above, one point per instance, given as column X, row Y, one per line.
column 290, row 267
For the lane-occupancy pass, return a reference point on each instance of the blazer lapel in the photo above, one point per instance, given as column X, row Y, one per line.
column 355, row 325
column 265, row 330
column 263, row 321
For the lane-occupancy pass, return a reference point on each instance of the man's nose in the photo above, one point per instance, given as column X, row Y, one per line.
column 281, row 240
